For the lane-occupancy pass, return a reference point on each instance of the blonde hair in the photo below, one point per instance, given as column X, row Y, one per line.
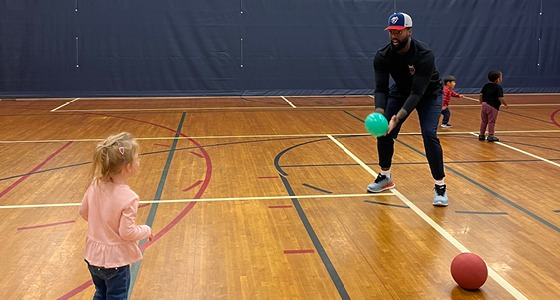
column 112, row 155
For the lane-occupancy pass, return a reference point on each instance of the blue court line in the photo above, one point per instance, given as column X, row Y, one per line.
column 316, row 188
column 315, row 239
column 151, row 216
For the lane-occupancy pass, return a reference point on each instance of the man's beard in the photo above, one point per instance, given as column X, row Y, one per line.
column 400, row 45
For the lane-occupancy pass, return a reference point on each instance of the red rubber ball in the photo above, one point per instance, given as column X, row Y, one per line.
column 469, row 271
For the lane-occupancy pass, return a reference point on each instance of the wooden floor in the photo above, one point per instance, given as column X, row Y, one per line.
column 264, row 198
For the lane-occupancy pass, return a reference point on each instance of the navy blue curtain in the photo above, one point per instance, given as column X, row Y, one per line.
column 78, row 48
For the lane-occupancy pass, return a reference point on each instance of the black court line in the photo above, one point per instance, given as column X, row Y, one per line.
column 316, row 242
column 489, row 190
column 316, row 188
column 386, row 204
column 481, row 212
column 492, row 192
column 335, row 278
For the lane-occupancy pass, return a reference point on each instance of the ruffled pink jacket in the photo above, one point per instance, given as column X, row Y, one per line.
column 110, row 210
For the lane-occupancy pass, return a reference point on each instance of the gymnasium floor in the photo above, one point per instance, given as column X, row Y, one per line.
column 264, row 198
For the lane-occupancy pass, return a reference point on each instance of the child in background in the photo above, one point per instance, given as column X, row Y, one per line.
column 448, row 86
column 491, row 97
column 109, row 206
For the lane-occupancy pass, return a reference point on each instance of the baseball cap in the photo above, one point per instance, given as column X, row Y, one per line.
column 399, row 21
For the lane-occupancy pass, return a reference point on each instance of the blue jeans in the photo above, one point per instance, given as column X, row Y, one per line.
column 446, row 115
column 110, row 283
column 429, row 111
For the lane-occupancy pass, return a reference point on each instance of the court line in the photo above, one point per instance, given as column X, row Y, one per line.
column 501, row 281
column 274, row 136
column 37, row 167
column 203, row 200
column 255, row 108
column 509, row 105
column 524, row 152
column 46, row 225
column 63, row 105
column 285, row 99
column 210, row 108
column 469, row 98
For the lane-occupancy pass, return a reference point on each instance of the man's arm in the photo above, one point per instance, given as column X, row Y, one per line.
column 381, row 82
column 420, row 81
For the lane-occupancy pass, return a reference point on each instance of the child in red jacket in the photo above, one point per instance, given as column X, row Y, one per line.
column 448, row 86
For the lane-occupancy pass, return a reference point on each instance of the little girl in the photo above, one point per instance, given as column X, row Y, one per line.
column 110, row 206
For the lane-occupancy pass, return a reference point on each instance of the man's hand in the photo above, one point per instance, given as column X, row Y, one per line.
column 392, row 123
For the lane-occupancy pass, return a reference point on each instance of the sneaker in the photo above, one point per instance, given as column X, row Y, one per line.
column 446, row 126
column 440, row 195
column 493, row 139
column 381, row 183
column 481, row 137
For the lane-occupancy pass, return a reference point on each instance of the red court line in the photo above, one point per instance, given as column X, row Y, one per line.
column 77, row 290
column 199, row 155
column 267, row 177
column 144, row 205
column 299, row 251
column 280, row 206
column 167, row 146
column 192, row 186
column 21, row 179
column 46, row 225
column 553, row 118
column 168, row 227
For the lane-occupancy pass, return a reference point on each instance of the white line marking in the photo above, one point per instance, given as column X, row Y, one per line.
column 524, row 152
column 206, row 200
column 372, row 96
column 285, row 99
column 213, row 108
column 510, row 105
column 506, row 285
column 469, row 98
column 310, row 135
column 63, row 105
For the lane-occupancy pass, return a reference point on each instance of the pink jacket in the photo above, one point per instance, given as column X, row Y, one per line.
column 110, row 210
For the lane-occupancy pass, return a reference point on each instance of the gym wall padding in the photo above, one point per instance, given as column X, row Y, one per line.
column 78, row 48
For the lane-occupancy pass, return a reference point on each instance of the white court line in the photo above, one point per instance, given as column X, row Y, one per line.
column 469, row 98
column 501, row 281
column 510, row 105
column 524, row 152
column 372, row 96
column 209, row 108
column 291, row 104
column 309, row 135
column 206, row 200
column 63, row 105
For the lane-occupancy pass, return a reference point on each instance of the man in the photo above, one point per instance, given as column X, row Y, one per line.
column 417, row 85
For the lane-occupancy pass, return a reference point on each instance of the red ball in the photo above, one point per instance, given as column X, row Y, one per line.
column 469, row 271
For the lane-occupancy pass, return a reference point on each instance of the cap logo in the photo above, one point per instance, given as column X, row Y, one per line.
column 394, row 20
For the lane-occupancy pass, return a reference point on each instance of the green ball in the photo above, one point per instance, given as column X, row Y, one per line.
column 376, row 124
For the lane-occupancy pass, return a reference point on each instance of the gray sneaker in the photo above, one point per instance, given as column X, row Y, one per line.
column 381, row 183
column 440, row 195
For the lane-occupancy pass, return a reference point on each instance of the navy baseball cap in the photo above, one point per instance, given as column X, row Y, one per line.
column 399, row 21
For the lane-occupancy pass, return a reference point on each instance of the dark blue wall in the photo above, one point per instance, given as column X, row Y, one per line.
column 78, row 48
